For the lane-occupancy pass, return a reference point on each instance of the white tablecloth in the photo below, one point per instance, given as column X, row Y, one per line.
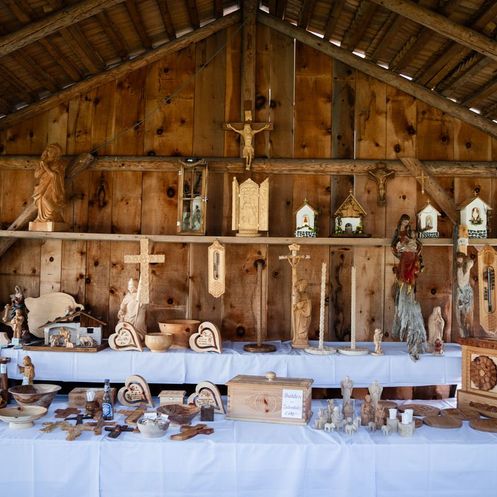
column 244, row 459
column 395, row 368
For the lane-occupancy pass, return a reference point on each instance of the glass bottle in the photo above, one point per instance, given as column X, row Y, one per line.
column 107, row 407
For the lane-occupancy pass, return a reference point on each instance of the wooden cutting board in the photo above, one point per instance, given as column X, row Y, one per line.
column 421, row 409
column 488, row 425
column 446, row 422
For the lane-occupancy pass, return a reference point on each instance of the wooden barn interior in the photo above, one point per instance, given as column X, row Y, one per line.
column 347, row 86
column 144, row 84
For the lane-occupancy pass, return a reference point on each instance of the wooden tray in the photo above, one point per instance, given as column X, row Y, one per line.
column 442, row 422
column 47, row 348
column 488, row 425
column 462, row 414
column 421, row 409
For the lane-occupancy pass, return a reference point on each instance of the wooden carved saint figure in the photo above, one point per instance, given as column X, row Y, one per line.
column 302, row 315
column 131, row 310
column 408, row 321
column 27, row 370
column 49, row 193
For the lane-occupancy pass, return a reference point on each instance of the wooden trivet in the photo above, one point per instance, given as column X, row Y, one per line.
column 462, row 414
column 442, row 421
column 421, row 409
column 488, row 425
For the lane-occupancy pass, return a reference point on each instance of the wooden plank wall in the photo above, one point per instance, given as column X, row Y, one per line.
column 316, row 107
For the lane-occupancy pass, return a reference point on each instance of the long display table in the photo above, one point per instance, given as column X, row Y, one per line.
column 244, row 459
column 395, row 368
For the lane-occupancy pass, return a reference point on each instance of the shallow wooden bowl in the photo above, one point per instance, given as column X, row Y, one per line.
column 181, row 329
column 22, row 416
column 158, row 342
column 39, row 394
column 179, row 414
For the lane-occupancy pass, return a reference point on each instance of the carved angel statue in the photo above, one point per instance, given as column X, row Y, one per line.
column 49, row 192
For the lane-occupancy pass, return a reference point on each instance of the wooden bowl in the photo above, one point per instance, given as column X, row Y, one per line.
column 179, row 414
column 158, row 342
column 21, row 417
column 39, row 394
column 181, row 330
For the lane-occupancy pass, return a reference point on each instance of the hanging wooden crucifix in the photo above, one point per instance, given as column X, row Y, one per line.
column 301, row 303
column 144, row 259
column 247, row 130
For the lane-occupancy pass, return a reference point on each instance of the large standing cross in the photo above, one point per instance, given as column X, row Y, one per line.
column 294, row 260
column 144, row 259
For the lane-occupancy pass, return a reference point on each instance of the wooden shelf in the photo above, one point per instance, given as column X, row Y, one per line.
column 235, row 240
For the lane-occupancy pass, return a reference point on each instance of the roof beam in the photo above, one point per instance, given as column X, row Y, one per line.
column 40, row 29
column 123, row 69
column 167, row 19
column 114, row 34
column 191, row 6
column 392, row 27
column 306, row 13
column 218, row 8
column 67, row 66
column 359, row 25
column 281, row 8
column 440, row 24
column 334, row 16
column 381, row 74
column 137, row 22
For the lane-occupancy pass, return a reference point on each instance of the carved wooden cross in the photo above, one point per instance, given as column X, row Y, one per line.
column 144, row 259
column 294, row 260
column 247, row 130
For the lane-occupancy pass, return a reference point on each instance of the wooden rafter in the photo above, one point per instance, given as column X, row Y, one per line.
column 391, row 29
column 31, row 67
column 221, row 165
column 306, row 13
column 91, row 62
column 67, row 66
column 191, row 6
column 281, row 8
column 333, row 18
column 18, row 85
column 218, row 8
column 381, row 74
column 481, row 93
column 471, row 65
column 440, row 24
column 137, row 22
column 167, row 20
column 272, row 7
column 37, row 30
column 113, row 34
column 423, row 36
column 122, row 69
column 365, row 12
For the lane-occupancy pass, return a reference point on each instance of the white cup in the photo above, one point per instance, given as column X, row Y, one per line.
column 392, row 413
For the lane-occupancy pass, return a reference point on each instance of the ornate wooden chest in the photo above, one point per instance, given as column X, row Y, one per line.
column 270, row 399
column 479, row 375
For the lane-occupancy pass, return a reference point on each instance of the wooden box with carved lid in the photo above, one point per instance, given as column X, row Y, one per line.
column 479, row 375
column 270, row 399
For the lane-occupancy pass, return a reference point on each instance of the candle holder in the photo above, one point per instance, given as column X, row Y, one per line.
column 406, row 429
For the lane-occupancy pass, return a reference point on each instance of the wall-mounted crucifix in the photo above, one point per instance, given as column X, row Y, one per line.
column 144, row 259
column 247, row 130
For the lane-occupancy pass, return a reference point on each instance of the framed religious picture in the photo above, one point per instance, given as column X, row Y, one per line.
column 192, row 197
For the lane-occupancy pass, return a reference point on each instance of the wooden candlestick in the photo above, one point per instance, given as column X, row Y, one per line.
column 321, row 349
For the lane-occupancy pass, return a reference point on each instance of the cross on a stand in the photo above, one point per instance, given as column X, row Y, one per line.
column 144, row 259
column 247, row 130
column 293, row 260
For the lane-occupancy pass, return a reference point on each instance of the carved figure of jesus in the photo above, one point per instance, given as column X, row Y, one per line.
column 247, row 133
column 49, row 192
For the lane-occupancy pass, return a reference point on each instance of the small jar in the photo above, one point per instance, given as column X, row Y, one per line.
column 92, row 407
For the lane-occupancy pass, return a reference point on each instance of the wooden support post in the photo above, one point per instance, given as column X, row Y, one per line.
column 248, row 56
column 431, row 185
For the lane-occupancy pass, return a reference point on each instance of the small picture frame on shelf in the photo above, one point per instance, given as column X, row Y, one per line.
column 192, row 196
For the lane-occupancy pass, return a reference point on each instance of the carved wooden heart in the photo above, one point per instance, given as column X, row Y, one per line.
column 125, row 338
column 207, row 339
column 134, row 392
column 207, row 394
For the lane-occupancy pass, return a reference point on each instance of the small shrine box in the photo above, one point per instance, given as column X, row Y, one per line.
column 479, row 376
column 270, row 399
column 167, row 397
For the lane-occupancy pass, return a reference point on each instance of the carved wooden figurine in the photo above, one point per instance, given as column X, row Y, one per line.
column 302, row 316
column 49, row 191
column 367, row 411
column 464, row 294
column 247, row 133
column 377, row 338
column 436, row 325
column 27, row 370
column 408, row 321
column 381, row 174
column 132, row 310
column 15, row 314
